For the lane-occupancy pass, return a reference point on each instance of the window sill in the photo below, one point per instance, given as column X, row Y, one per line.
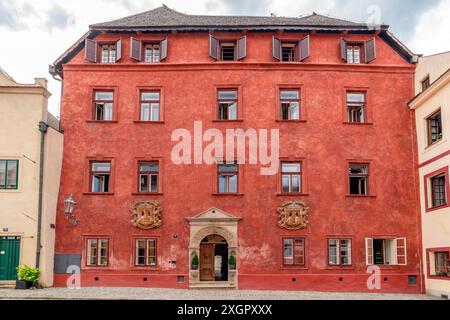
column 438, row 278
column 147, row 268
column 148, row 122
column 228, row 194
column 349, row 267
column 290, row 121
column 388, row 267
column 435, row 144
column 292, row 194
column 437, row 208
column 96, row 268
column 102, row 121
column 294, row 268
column 147, row 194
column 226, row 121
column 360, row 196
column 358, row 123
column 98, row 193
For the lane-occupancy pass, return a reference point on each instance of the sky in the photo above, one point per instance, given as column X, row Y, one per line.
column 35, row 33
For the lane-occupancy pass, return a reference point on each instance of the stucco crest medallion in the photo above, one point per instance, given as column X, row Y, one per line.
column 146, row 215
column 293, row 215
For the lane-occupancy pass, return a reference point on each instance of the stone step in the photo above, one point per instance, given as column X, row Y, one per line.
column 7, row 284
column 212, row 285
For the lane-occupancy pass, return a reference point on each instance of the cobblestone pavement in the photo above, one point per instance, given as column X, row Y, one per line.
column 200, row 294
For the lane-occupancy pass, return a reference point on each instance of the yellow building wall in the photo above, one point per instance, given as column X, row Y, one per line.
column 22, row 107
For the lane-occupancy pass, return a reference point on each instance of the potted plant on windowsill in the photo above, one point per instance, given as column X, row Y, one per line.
column 28, row 277
column 232, row 263
column 195, row 262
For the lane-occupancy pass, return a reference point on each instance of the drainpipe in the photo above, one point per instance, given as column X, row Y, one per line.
column 43, row 129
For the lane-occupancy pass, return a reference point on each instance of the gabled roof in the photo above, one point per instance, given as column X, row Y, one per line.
column 430, row 91
column 164, row 17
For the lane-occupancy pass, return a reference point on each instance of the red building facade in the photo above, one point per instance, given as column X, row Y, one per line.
column 344, row 199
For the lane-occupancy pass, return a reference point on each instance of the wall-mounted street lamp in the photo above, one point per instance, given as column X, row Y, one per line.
column 69, row 206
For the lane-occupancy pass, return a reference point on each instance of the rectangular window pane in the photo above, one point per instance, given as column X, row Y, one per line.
column 332, row 252
column 108, row 114
column 355, row 97
column 289, row 95
column 149, row 166
column 288, row 251
column 296, row 184
column 222, row 184
column 143, row 182
column 92, row 252
column 140, row 252
column 103, row 257
column 294, row 113
column 291, row 167
column 232, row 111
column 104, row 96
column 227, row 168
column 150, row 96
column 151, row 252
column 2, row 173
column 155, row 112
column 286, row 183
column 228, row 95
column 145, row 112
column 233, row 184
column 11, row 182
column 101, row 166
column 299, row 252
column 154, row 183
column 438, row 189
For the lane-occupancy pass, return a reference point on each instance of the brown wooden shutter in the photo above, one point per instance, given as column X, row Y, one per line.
column 213, row 47
column 119, row 49
column 303, row 47
column 135, row 49
column 90, row 50
column 241, row 48
column 276, row 48
column 163, row 45
column 370, row 50
column 343, row 49
column 400, row 247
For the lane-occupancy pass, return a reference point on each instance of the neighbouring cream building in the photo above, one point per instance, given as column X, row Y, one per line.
column 31, row 147
column 432, row 109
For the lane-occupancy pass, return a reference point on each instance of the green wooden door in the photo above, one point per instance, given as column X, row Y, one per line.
column 9, row 257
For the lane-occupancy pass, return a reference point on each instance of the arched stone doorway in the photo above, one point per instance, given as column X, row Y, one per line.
column 213, row 234
column 214, row 258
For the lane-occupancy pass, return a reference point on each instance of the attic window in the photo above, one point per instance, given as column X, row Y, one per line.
column 288, row 51
column 358, row 52
column 103, row 52
column 108, row 53
column 426, row 83
column 227, row 51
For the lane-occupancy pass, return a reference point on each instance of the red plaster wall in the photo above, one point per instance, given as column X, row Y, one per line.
column 188, row 78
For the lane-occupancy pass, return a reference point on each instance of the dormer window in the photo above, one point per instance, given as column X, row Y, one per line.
column 290, row 50
column 148, row 51
column 110, row 52
column 358, row 52
column 152, row 53
column 227, row 50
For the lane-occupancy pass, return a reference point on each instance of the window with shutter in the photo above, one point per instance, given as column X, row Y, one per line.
column 343, row 49
column 241, row 48
column 135, row 49
column 90, row 50
column 276, row 48
column 213, row 47
column 370, row 50
column 304, row 48
column 164, row 47
column 118, row 50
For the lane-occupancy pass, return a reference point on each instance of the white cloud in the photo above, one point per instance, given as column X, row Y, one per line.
column 35, row 33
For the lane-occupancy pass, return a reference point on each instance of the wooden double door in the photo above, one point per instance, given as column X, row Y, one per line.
column 214, row 259
column 9, row 257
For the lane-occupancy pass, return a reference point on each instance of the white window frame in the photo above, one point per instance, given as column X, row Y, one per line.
column 393, row 252
column 338, row 251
